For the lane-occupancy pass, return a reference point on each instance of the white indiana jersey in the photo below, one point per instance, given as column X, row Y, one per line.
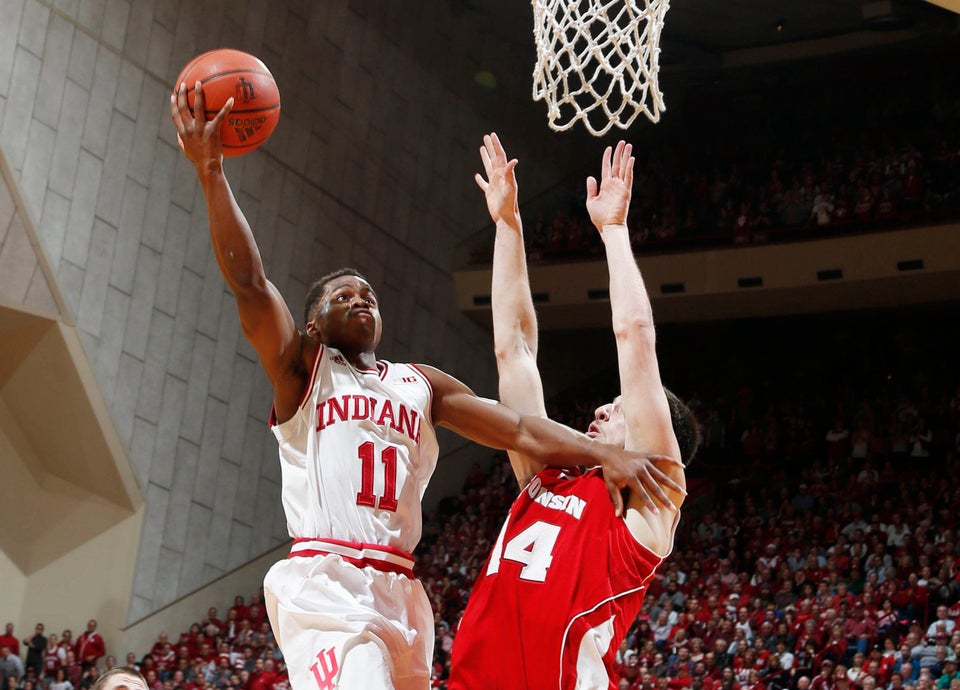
column 357, row 455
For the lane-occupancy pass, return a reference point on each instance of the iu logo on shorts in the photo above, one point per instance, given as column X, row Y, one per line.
column 325, row 669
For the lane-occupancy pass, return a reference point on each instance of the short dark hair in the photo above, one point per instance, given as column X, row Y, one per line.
column 316, row 290
column 685, row 427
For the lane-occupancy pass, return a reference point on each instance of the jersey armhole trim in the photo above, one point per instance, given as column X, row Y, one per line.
column 426, row 379
column 317, row 356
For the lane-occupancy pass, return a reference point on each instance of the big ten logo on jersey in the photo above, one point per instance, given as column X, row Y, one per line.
column 325, row 669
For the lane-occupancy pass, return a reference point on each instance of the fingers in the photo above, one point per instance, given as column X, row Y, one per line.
column 497, row 146
column 617, row 157
column 616, row 497
column 482, row 183
column 510, row 166
column 639, row 489
column 605, row 165
column 224, row 111
column 485, row 156
column 198, row 102
column 656, row 487
column 664, row 481
column 591, row 187
column 624, row 161
column 175, row 114
column 182, row 107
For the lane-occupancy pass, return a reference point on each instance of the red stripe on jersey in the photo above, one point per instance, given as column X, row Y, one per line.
column 382, row 566
column 359, row 545
column 393, row 560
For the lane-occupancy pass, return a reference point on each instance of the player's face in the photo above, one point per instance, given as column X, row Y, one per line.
column 349, row 315
column 609, row 424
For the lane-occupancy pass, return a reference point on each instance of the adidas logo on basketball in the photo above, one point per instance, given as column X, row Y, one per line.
column 246, row 126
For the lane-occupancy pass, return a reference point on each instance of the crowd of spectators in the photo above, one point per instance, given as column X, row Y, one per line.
column 237, row 652
column 864, row 189
column 880, row 151
column 60, row 662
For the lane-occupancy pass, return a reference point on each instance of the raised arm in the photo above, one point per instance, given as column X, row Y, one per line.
column 495, row 425
column 645, row 406
column 514, row 318
column 264, row 316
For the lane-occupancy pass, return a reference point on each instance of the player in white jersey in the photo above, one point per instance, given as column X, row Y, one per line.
column 357, row 448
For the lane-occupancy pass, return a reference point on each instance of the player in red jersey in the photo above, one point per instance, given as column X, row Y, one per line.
column 567, row 575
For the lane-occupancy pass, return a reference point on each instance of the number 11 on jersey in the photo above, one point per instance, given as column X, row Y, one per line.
column 533, row 547
column 366, row 497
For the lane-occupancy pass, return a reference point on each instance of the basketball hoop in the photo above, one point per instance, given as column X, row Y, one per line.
column 597, row 61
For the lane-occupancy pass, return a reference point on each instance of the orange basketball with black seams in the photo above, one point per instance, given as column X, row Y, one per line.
column 225, row 73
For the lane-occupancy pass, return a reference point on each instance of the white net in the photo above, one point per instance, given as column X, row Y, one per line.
column 597, row 61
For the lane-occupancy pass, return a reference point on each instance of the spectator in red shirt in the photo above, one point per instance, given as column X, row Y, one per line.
column 239, row 609
column 53, row 657
column 90, row 646
column 66, row 644
column 73, row 669
column 835, row 648
column 860, row 629
column 212, row 617
column 165, row 661
column 9, row 640
column 152, row 680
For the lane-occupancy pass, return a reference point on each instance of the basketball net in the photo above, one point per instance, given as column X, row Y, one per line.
column 597, row 61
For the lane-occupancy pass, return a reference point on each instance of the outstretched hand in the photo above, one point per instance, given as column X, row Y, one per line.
column 198, row 139
column 639, row 473
column 500, row 186
column 610, row 204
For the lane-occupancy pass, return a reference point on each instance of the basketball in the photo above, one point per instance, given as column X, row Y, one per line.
column 256, row 100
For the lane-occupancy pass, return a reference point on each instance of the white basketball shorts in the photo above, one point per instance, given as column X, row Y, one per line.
column 350, row 616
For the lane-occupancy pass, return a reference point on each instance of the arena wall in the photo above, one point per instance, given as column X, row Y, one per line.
column 371, row 166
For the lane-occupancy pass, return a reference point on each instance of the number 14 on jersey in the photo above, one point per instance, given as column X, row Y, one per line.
column 533, row 547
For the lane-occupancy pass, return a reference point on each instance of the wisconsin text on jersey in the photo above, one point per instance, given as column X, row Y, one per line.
column 572, row 505
column 380, row 411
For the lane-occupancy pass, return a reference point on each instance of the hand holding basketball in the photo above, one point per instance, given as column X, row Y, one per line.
column 222, row 76
column 198, row 139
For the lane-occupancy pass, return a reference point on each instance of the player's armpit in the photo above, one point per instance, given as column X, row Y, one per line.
column 656, row 529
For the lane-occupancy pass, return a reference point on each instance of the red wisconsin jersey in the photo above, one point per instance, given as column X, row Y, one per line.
column 564, row 582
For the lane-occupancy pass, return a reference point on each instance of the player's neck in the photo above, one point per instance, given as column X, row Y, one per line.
column 361, row 360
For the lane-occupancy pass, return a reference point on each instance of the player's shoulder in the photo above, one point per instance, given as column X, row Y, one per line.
column 405, row 372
